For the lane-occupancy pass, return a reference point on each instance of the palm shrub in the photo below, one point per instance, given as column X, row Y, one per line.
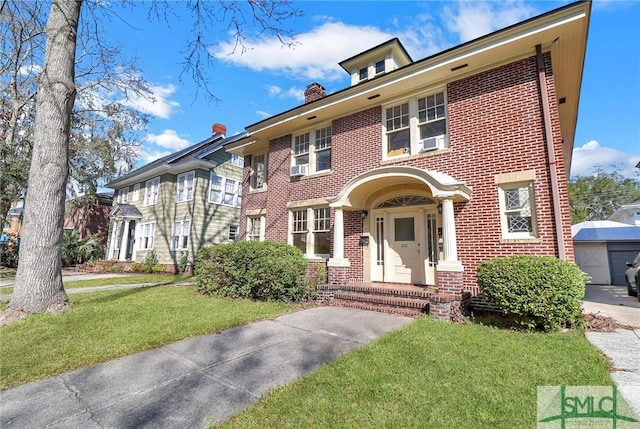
column 538, row 292
column 70, row 243
column 266, row 270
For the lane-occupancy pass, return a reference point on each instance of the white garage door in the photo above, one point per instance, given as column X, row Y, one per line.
column 593, row 260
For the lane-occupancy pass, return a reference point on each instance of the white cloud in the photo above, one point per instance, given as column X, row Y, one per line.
column 263, row 114
column 314, row 57
column 147, row 156
column 168, row 139
column 470, row 20
column 159, row 104
column 591, row 156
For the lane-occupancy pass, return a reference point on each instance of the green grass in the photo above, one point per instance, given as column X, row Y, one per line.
column 433, row 374
column 129, row 279
column 106, row 325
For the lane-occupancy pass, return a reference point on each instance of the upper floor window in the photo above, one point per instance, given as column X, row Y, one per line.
column 180, row 235
column 185, row 186
column 237, row 160
column 380, row 68
column 258, row 171
column 151, row 188
column 364, row 73
column 136, row 192
column 122, row 195
column 517, row 210
column 225, row 191
column 417, row 125
column 312, row 152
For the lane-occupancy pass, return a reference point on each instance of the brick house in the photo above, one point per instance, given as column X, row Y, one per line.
column 177, row 204
column 421, row 170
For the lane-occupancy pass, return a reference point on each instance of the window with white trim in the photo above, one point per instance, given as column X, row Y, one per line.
column 313, row 148
column 258, row 171
column 237, row 160
column 255, row 228
column 233, row 232
column 310, row 231
column 225, row 191
column 380, row 67
column 180, row 235
column 122, row 195
column 185, row 183
column 416, row 125
column 151, row 189
column 136, row 192
column 146, row 233
column 517, row 210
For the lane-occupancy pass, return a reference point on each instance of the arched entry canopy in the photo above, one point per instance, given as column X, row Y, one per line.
column 355, row 193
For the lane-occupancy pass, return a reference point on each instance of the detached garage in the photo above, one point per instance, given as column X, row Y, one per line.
column 602, row 249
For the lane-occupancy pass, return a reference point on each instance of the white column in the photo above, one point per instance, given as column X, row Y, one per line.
column 124, row 242
column 114, row 236
column 450, row 246
column 338, row 259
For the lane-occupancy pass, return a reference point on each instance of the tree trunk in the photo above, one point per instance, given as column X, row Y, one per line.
column 38, row 286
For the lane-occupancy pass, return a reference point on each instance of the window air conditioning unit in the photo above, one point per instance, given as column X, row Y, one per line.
column 299, row 170
column 431, row 143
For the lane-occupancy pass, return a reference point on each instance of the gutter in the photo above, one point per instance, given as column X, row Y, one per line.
column 553, row 170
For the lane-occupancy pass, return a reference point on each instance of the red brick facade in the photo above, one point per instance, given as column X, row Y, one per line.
column 495, row 126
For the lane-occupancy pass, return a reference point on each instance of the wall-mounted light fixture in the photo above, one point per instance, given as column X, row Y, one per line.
column 364, row 214
column 440, row 208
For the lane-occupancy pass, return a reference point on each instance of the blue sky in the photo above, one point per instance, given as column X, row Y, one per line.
column 270, row 78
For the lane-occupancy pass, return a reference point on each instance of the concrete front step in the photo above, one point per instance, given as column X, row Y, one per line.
column 401, row 311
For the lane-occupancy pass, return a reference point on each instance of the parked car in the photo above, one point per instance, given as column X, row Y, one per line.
column 632, row 276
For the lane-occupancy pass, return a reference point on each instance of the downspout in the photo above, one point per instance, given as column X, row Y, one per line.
column 553, row 171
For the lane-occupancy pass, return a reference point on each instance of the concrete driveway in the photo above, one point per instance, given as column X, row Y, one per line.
column 612, row 301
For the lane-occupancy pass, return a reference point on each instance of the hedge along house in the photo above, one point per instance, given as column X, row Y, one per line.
column 177, row 203
column 421, row 170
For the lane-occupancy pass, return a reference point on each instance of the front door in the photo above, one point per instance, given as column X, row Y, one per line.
column 405, row 258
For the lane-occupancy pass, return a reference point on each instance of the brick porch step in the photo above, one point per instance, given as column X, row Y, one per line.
column 401, row 311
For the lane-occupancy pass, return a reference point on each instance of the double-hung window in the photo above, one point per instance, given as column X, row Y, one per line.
column 180, row 236
column 225, row 191
column 237, row 160
column 146, row 232
column 136, row 192
column 151, row 188
column 313, row 150
column 255, row 228
column 185, row 182
column 258, row 171
column 415, row 125
column 518, row 210
column 122, row 195
column 310, row 231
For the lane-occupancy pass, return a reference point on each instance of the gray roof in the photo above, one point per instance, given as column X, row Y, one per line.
column 126, row 210
column 627, row 233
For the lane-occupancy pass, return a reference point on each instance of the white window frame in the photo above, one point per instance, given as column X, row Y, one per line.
column 122, row 195
column 413, row 125
column 223, row 186
column 136, row 192
column 506, row 212
column 237, row 160
column 185, row 185
column 256, row 172
column 146, row 235
column 307, row 223
column 253, row 233
column 234, row 230
column 180, row 234
column 315, row 141
column 151, row 191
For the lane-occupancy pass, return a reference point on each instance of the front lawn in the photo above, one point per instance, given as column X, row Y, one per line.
column 106, row 325
column 433, row 374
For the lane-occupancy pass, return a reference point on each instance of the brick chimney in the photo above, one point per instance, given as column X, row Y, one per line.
column 314, row 92
column 219, row 129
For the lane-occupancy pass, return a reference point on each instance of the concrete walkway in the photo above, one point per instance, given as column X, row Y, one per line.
column 614, row 302
column 195, row 382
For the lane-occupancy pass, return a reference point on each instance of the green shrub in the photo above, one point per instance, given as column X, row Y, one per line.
column 539, row 292
column 183, row 260
column 267, row 271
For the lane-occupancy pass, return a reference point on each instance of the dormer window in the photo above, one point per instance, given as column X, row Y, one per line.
column 380, row 67
column 364, row 73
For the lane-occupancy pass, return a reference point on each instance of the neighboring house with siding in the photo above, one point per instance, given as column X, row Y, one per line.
column 422, row 170
column 178, row 203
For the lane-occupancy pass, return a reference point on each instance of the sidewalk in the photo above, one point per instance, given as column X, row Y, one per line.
column 195, row 382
